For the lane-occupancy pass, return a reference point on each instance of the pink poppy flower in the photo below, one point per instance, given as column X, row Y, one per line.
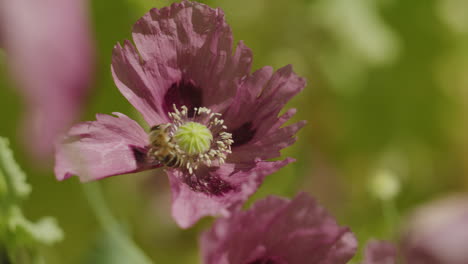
column 278, row 231
column 49, row 52
column 213, row 124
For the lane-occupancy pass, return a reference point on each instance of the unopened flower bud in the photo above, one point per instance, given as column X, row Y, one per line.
column 385, row 185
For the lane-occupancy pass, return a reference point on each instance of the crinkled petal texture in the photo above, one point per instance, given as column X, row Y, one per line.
column 189, row 206
column 102, row 148
column 380, row 252
column 49, row 51
column 253, row 116
column 437, row 233
column 183, row 55
column 278, row 231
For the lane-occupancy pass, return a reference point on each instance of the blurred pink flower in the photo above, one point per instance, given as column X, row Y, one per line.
column 436, row 233
column 213, row 124
column 50, row 56
column 278, row 231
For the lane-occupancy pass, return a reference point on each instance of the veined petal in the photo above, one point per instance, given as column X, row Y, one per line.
column 277, row 230
column 102, row 148
column 264, row 93
column 183, row 56
column 189, row 206
column 270, row 144
column 132, row 80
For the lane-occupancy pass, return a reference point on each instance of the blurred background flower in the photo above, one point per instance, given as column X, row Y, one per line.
column 437, row 232
column 387, row 92
column 434, row 233
column 49, row 53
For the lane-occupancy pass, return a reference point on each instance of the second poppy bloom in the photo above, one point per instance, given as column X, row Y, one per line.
column 212, row 123
column 279, row 231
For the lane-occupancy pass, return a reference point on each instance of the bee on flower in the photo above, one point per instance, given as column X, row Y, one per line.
column 214, row 124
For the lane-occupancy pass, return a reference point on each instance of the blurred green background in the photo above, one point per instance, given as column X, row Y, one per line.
column 387, row 94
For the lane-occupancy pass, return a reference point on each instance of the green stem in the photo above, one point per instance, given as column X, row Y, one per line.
column 391, row 216
column 110, row 225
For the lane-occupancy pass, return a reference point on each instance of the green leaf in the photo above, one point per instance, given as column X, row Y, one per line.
column 13, row 175
column 45, row 231
column 22, row 237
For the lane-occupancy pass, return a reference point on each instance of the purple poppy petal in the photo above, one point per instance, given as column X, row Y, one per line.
column 343, row 250
column 189, row 206
column 50, row 55
column 297, row 234
column 269, row 145
column 277, row 230
column 190, row 42
column 102, row 148
column 380, row 252
column 263, row 93
column 132, row 80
